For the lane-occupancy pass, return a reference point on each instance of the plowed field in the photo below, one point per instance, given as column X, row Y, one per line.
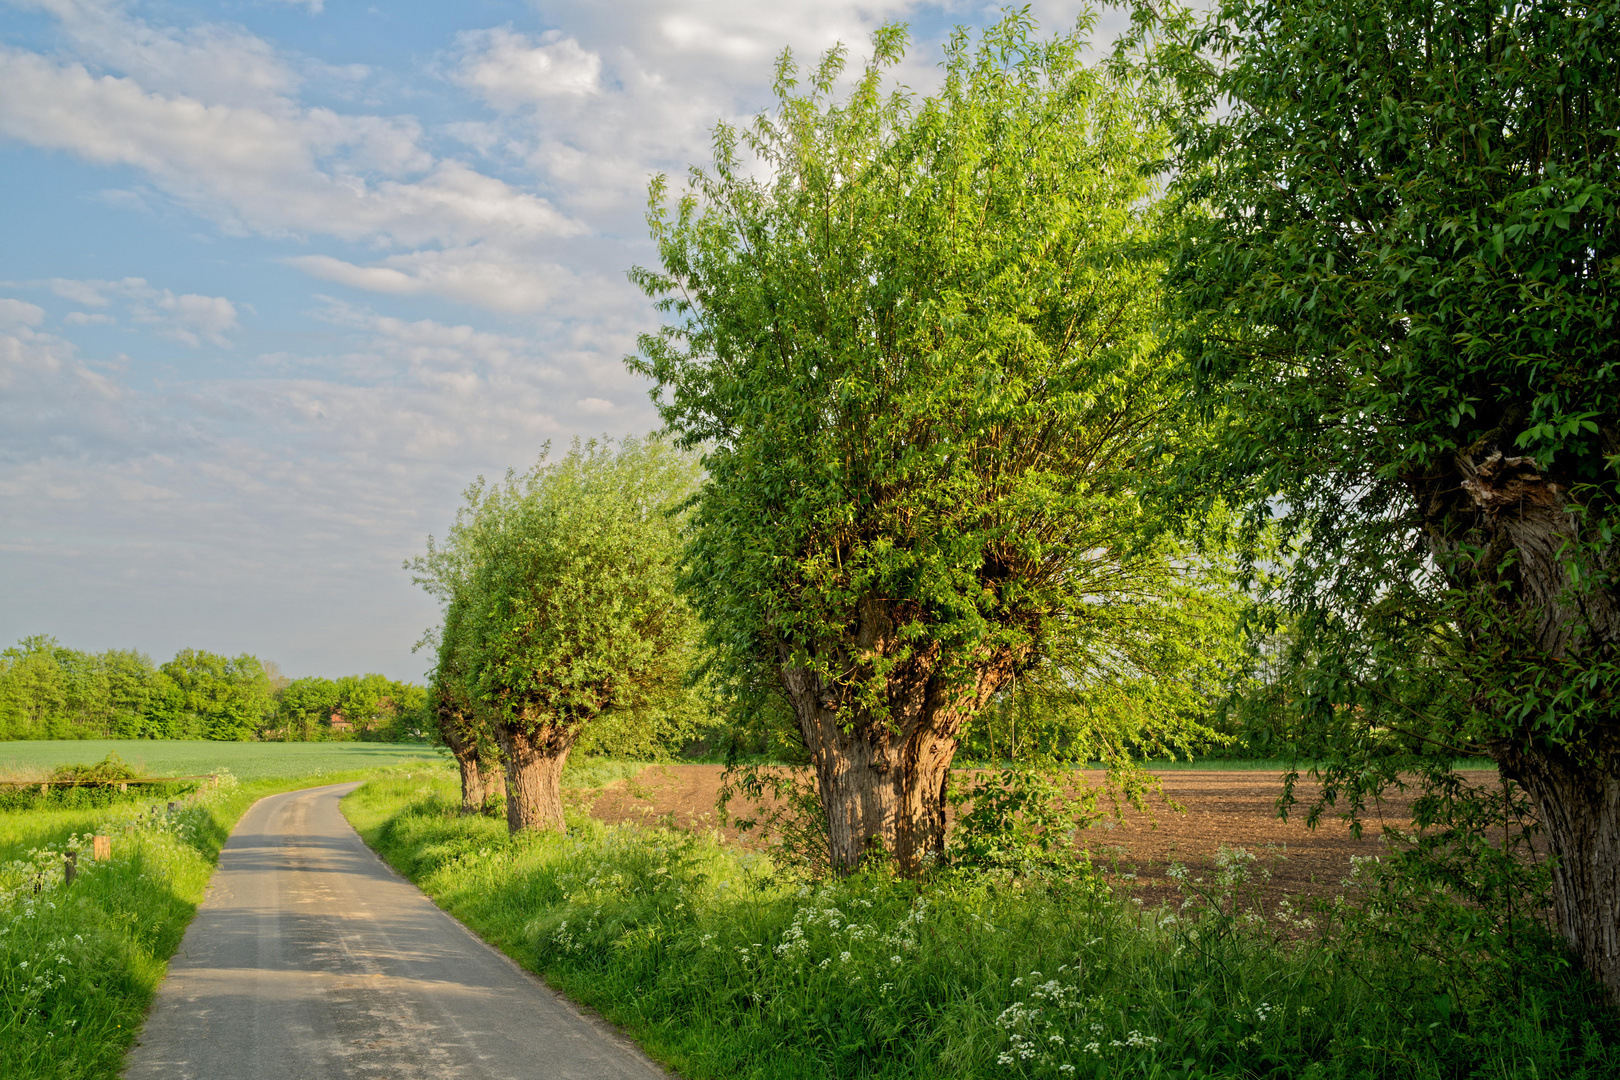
column 1236, row 808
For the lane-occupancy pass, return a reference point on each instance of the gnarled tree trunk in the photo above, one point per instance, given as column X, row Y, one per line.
column 1579, row 804
column 481, row 781
column 1525, row 532
column 882, row 779
column 534, row 765
column 480, row 775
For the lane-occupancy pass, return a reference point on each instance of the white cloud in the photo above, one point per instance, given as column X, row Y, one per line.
column 481, row 275
column 90, row 293
column 510, row 70
column 189, row 319
column 16, row 314
column 309, row 171
column 218, row 63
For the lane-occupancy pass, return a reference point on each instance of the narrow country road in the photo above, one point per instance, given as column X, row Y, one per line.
column 310, row 959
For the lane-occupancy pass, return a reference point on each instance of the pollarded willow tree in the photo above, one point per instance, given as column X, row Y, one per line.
column 1400, row 285
column 917, row 344
column 562, row 617
column 445, row 571
column 456, row 711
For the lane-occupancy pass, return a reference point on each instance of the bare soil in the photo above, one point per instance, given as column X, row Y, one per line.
column 1230, row 808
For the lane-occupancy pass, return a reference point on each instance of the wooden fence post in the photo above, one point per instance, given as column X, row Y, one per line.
column 70, row 867
column 101, row 848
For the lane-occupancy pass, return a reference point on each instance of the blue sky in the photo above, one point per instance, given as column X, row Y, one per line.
column 280, row 278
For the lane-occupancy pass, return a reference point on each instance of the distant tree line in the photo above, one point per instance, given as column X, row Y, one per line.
column 50, row 691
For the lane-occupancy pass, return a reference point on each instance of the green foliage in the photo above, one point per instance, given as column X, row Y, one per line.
column 1022, row 819
column 916, row 339
column 210, row 696
column 1399, row 243
column 575, row 615
column 306, row 706
column 48, row 691
column 76, row 785
column 788, row 819
column 109, row 770
column 1395, row 287
column 724, row 968
column 368, row 707
column 560, row 605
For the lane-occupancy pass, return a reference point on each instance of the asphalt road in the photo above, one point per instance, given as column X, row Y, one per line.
column 310, row 959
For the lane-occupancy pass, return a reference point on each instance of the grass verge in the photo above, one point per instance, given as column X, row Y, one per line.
column 79, row 963
column 723, row 967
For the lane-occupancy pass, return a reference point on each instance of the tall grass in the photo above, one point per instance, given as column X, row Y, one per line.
column 724, row 967
column 79, row 963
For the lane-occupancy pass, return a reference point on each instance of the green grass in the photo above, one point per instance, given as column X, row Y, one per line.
column 79, row 963
column 246, row 760
column 723, row 967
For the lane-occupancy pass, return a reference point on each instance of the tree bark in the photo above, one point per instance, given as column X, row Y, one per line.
column 534, row 765
column 480, row 776
column 882, row 778
column 481, row 781
column 1579, row 806
column 1510, row 533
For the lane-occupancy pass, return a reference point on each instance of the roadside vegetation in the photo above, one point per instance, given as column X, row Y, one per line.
column 723, row 965
column 1252, row 390
column 79, row 962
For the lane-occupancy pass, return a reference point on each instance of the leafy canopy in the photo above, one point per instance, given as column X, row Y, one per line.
column 916, row 339
column 562, row 611
column 1400, row 249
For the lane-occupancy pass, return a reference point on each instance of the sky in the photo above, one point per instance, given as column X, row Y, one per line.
column 279, row 278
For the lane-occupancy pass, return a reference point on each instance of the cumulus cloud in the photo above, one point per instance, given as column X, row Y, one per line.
column 250, row 168
column 17, row 314
column 89, row 293
column 190, row 318
column 481, row 275
column 214, row 62
column 510, row 70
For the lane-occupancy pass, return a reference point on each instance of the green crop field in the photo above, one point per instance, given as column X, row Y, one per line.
column 246, row 760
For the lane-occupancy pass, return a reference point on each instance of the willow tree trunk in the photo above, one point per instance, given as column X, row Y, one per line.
column 534, row 765
column 480, row 775
column 1579, row 804
column 1526, row 535
column 481, row 781
column 882, row 779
